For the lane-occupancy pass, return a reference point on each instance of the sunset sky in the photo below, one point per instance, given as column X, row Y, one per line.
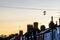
column 16, row 14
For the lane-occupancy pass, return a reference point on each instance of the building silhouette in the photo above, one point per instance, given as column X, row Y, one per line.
column 33, row 32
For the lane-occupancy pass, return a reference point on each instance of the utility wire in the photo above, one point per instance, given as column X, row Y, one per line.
column 20, row 8
column 30, row 8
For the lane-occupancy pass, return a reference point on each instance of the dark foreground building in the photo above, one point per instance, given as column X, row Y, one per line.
column 33, row 33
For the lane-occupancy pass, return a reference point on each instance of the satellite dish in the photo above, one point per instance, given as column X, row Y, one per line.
column 44, row 12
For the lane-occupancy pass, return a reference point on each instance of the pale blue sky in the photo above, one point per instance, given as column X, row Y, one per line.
column 15, row 16
column 31, row 3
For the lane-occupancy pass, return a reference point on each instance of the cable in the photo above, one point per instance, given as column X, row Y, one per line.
column 20, row 8
column 30, row 8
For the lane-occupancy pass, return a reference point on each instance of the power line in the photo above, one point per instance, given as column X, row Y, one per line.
column 20, row 8
column 30, row 8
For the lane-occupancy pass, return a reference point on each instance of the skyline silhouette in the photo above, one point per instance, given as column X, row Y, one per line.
column 16, row 14
column 34, row 33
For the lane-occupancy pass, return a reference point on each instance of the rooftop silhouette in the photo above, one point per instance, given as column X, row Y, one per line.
column 34, row 33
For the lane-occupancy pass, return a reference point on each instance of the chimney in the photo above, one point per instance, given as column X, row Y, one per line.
column 35, row 25
column 42, row 27
column 52, row 18
column 59, row 21
column 21, row 32
column 51, row 24
column 29, row 28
